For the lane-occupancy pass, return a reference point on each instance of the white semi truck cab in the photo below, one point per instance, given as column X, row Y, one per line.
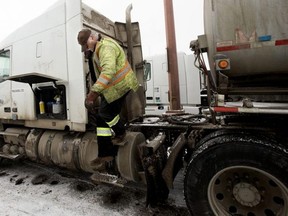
column 42, row 62
column 44, row 79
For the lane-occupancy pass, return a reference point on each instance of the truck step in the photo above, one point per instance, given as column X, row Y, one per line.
column 3, row 133
column 10, row 156
column 99, row 178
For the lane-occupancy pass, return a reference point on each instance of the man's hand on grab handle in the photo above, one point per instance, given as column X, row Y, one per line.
column 90, row 101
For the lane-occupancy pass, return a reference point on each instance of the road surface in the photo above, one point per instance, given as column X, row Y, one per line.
column 29, row 189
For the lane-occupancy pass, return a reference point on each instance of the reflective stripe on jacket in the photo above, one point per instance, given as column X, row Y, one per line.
column 115, row 76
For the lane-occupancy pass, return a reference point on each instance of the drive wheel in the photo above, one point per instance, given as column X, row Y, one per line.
column 237, row 174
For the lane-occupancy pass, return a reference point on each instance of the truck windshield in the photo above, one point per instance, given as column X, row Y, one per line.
column 4, row 64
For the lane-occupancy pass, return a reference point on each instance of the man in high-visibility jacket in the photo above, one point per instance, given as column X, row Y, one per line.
column 115, row 78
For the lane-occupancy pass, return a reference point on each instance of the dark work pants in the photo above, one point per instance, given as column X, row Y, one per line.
column 107, row 112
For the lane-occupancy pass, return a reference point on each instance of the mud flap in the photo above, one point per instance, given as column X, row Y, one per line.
column 153, row 164
column 171, row 168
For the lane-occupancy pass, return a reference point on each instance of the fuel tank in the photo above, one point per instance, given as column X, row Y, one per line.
column 74, row 150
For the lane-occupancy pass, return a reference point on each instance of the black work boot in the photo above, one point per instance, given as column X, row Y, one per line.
column 119, row 139
column 111, row 168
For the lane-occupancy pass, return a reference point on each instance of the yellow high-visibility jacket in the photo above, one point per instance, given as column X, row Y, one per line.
column 115, row 76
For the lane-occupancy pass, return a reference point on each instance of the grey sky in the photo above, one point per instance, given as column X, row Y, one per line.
column 149, row 13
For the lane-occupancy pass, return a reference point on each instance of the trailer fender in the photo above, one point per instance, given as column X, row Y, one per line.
column 168, row 173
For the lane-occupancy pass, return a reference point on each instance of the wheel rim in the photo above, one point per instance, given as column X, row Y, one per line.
column 247, row 191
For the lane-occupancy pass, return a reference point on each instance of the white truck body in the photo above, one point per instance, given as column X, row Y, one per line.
column 44, row 79
column 157, row 88
column 44, row 53
column 46, row 46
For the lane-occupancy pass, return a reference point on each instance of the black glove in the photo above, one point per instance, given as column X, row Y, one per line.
column 91, row 100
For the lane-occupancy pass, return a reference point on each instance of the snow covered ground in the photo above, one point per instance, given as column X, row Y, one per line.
column 32, row 189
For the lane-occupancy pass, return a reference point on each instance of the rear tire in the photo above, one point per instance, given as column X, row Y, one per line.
column 237, row 174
